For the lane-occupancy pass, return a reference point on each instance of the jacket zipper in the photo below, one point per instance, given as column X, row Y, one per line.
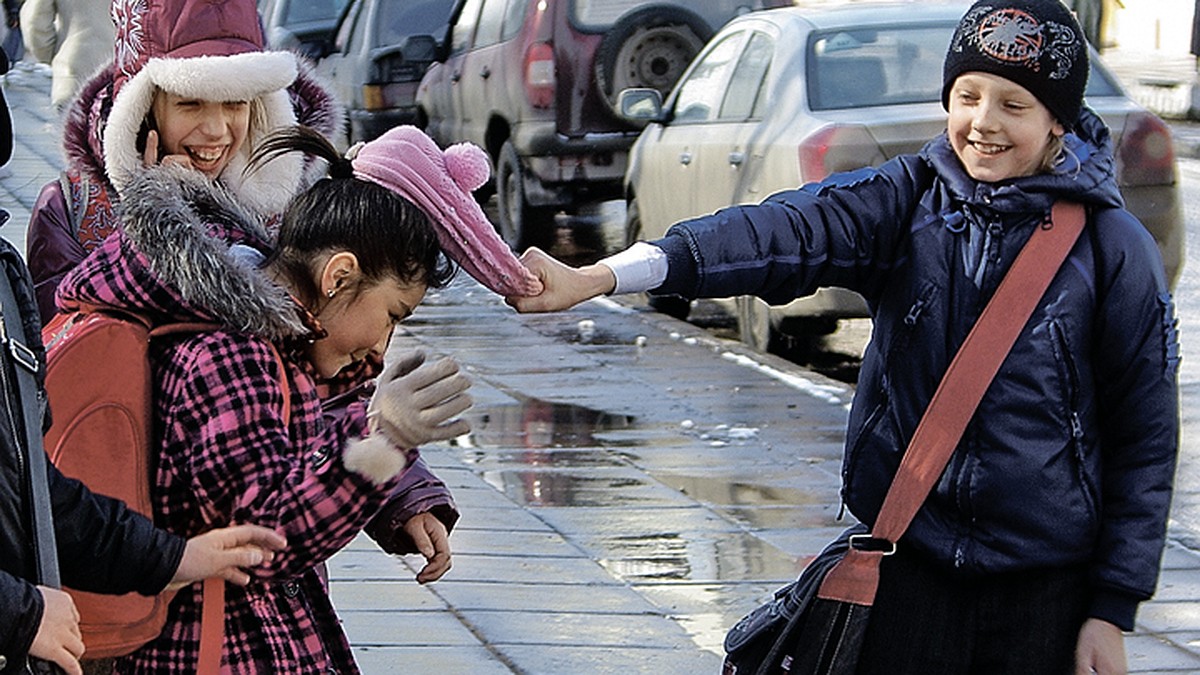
column 1071, row 384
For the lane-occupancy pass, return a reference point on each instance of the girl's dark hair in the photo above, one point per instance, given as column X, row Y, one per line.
column 386, row 232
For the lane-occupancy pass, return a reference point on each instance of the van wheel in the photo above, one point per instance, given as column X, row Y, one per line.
column 649, row 47
column 521, row 225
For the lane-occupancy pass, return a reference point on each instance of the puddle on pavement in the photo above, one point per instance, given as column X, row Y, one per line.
column 536, row 424
column 692, row 557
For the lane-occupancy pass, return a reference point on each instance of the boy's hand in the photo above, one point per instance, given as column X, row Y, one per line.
column 58, row 638
column 563, row 286
column 224, row 553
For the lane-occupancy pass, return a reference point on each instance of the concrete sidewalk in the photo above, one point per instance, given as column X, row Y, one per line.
column 630, row 488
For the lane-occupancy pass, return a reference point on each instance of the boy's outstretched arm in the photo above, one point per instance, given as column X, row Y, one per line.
column 563, row 286
column 225, row 552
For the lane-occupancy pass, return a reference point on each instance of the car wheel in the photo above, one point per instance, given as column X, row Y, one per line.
column 521, row 225
column 649, row 47
column 754, row 322
column 633, row 222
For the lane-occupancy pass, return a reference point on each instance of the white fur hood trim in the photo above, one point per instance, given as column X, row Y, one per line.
column 260, row 77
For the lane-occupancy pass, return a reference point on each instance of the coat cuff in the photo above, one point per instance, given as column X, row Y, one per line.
column 375, row 458
column 1117, row 608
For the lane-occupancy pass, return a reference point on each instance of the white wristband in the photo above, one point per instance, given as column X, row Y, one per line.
column 640, row 267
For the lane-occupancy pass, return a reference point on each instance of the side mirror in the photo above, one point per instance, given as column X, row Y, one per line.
column 640, row 105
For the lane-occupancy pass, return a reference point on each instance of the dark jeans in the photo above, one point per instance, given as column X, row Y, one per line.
column 927, row 621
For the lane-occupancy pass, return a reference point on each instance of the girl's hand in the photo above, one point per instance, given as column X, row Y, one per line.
column 150, row 156
column 431, row 539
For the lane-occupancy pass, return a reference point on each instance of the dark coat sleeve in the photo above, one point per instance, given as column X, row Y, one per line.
column 843, row 232
column 104, row 547
column 20, row 615
column 1137, row 357
column 52, row 247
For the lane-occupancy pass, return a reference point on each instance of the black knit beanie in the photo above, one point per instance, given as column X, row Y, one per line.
column 1036, row 43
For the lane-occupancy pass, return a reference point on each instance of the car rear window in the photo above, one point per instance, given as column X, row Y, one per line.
column 884, row 66
column 398, row 20
column 304, row 11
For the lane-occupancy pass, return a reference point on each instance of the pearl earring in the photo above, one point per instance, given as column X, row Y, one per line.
column 330, row 293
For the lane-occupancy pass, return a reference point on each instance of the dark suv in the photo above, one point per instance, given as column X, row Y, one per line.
column 535, row 81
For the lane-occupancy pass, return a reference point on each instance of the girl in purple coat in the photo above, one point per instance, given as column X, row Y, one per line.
column 354, row 258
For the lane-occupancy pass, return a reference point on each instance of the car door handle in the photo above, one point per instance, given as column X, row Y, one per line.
column 685, row 158
column 485, row 73
column 456, row 76
column 736, row 158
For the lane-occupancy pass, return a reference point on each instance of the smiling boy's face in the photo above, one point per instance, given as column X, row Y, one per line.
column 998, row 129
column 208, row 133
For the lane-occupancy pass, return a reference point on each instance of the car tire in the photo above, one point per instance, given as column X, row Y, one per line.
column 520, row 224
column 754, row 322
column 649, row 47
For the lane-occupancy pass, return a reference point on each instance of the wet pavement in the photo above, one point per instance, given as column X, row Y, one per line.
column 632, row 485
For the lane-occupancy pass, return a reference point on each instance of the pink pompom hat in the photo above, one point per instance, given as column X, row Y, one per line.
column 406, row 161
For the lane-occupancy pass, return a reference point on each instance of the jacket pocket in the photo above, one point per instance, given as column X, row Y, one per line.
column 854, row 450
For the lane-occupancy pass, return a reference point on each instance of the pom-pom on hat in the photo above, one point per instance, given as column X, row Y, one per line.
column 408, row 162
column 1036, row 43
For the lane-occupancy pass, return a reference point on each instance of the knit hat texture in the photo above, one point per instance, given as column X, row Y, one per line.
column 406, row 161
column 1036, row 43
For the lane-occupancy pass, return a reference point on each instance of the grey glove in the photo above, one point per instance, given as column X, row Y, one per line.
column 416, row 402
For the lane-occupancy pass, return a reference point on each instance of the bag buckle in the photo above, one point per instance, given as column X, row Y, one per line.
column 866, row 542
column 23, row 355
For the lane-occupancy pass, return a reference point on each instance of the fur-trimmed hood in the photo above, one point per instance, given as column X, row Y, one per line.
column 171, row 260
column 100, row 134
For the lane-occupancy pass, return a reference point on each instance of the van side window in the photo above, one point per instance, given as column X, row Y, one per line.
column 490, row 20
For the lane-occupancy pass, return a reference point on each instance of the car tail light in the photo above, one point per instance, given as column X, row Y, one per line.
column 1145, row 155
column 539, row 74
column 837, row 148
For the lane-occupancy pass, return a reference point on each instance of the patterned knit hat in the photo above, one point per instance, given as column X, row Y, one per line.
column 1036, row 43
column 207, row 49
column 408, row 162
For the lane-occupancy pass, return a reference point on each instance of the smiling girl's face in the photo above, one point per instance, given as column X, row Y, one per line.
column 997, row 128
column 207, row 133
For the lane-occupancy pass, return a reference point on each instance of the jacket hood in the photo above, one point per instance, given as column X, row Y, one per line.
column 1086, row 175
column 101, row 131
column 172, row 260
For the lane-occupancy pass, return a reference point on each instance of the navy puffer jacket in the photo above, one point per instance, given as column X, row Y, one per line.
column 1070, row 457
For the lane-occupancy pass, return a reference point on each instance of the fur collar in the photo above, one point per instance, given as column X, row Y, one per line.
column 168, row 215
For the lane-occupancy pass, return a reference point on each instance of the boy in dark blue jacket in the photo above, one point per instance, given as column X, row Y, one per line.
column 1046, row 529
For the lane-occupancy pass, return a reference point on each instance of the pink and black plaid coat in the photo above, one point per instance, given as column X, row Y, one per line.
column 226, row 455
